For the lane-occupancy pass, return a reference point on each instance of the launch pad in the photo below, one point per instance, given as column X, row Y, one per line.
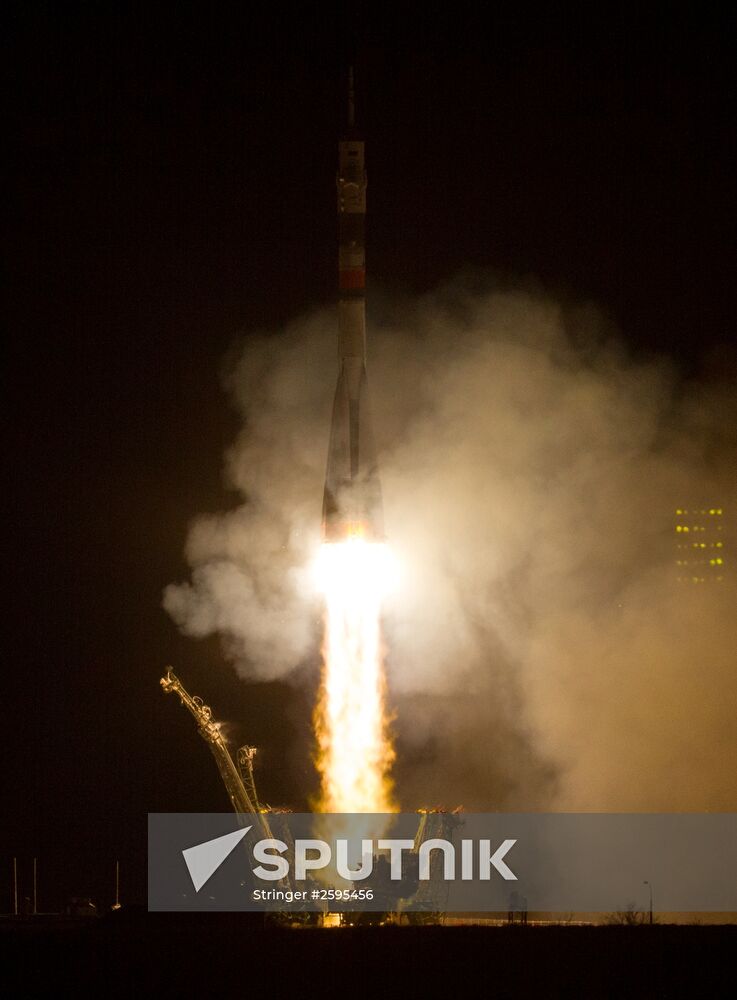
column 238, row 778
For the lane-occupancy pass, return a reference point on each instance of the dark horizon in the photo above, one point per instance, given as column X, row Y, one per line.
column 172, row 190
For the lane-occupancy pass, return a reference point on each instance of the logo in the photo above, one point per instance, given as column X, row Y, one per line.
column 203, row 860
column 350, row 863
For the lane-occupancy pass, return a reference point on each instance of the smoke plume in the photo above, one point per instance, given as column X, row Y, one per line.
column 541, row 652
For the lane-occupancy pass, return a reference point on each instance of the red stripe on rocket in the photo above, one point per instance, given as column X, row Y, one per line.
column 352, row 503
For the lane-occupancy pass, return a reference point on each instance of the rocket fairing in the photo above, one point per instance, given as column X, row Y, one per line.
column 352, row 504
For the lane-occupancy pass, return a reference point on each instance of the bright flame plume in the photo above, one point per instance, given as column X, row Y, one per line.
column 354, row 749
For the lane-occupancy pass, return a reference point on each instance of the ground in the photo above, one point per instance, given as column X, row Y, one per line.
column 228, row 955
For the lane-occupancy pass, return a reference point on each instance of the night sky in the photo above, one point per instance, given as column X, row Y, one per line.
column 171, row 188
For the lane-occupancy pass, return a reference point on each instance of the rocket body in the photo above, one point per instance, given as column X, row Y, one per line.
column 352, row 504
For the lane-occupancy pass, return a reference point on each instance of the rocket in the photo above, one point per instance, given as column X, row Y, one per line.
column 352, row 504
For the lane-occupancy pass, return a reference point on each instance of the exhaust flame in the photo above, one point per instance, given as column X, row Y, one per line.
column 354, row 750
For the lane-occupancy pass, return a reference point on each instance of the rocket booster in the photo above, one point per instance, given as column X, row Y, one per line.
column 352, row 505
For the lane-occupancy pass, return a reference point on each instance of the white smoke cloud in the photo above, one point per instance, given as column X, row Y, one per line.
column 540, row 649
